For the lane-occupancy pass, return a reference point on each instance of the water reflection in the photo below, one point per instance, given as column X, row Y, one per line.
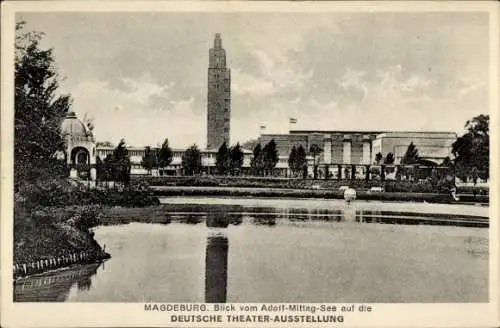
column 267, row 216
column 216, row 257
column 56, row 286
column 264, row 220
column 216, row 269
column 189, row 260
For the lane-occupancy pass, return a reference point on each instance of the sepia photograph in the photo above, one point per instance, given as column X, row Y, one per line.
column 212, row 157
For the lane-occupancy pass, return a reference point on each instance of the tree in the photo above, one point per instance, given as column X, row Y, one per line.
column 472, row 149
column 149, row 160
column 270, row 157
column 315, row 150
column 447, row 162
column 108, row 168
column 301, row 161
column 236, row 158
column 164, row 155
column 191, row 160
column 292, row 160
column 411, row 155
column 389, row 159
column 223, row 159
column 256, row 162
column 104, row 144
column 38, row 111
column 121, row 162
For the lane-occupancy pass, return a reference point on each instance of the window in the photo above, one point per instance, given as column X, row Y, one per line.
column 226, row 110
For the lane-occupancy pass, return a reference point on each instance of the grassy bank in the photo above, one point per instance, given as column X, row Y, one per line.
column 53, row 217
column 283, row 183
column 63, row 193
column 45, row 239
column 308, row 193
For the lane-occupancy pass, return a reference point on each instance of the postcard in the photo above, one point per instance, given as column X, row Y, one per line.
column 256, row 164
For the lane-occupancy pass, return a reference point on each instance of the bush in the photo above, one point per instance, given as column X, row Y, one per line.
column 54, row 192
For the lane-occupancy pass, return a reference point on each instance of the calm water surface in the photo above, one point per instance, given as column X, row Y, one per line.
column 253, row 255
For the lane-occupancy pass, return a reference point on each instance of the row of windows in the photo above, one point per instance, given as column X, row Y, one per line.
column 217, row 76
column 226, row 89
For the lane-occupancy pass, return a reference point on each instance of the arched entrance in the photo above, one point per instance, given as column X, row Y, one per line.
column 80, row 155
column 80, row 161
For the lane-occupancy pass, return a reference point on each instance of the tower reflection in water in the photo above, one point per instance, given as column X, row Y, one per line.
column 216, row 258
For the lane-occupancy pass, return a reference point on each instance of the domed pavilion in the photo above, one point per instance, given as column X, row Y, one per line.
column 80, row 147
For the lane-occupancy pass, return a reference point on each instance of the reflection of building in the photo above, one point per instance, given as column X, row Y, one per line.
column 216, row 269
column 360, row 147
column 80, row 147
column 218, row 97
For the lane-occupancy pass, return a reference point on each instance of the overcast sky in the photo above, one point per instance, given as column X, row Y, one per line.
column 143, row 76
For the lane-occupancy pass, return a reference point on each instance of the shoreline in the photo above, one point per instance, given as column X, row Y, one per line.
column 46, row 239
column 441, row 198
column 89, row 252
column 54, row 264
column 20, row 279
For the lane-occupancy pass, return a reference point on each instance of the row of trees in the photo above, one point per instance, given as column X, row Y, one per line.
column 229, row 160
column 389, row 158
column 157, row 158
column 471, row 153
column 297, row 160
column 264, row 159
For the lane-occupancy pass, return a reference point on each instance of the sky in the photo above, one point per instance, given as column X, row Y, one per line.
column 143, row 76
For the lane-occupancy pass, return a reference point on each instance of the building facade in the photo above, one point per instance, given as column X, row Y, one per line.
column 431, row 146
column 338, row 147
column 361, row 147
column 218, row 97
column 136, row 155
column 80, row 150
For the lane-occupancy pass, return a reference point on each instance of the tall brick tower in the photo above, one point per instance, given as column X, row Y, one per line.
column 219, row 97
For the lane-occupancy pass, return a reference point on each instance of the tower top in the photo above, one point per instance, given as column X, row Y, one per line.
column 217, row 41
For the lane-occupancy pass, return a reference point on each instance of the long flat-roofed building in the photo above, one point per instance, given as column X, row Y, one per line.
column 360, row 147
column 431, row 146
column 136, row 155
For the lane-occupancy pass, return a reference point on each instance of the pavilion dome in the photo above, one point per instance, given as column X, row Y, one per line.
column 74, row 127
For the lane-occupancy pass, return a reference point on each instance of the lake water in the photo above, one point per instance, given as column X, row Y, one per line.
column 237, row 250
